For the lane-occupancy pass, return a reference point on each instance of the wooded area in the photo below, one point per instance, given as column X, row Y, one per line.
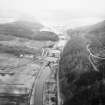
column 80, row 84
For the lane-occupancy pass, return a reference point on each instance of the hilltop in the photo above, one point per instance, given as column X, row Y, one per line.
column 26, row 29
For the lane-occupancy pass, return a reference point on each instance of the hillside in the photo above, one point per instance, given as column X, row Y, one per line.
column 80, row 83
column 24, row 37
column 29, row 30
column 95, row 35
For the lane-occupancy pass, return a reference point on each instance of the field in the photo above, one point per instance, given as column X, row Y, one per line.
column 16, row 52
column 8, row 61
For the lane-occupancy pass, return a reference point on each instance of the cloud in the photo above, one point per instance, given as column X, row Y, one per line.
column 54, row 11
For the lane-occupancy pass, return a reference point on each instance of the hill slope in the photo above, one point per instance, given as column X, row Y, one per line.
column 95, row 35
column 80, row 83
column 26, row 30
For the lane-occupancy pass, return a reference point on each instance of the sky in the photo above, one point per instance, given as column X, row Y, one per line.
column 55, row 12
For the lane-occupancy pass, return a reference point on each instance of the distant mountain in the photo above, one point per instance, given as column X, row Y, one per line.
column 26, row 29
column 19, row 28
column 35, row 26
column 97, row 30
column 98, row 26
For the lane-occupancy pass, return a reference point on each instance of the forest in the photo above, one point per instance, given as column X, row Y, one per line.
column 80, row 83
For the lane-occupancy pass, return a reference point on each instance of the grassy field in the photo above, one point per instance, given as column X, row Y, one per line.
column 11, row 50
column 19, row 46
column 8, row 61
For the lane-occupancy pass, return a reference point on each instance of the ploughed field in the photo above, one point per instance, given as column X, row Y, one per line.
column 80, row 82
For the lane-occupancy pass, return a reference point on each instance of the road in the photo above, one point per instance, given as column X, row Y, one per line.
column 61, row 44
column 37, row 95
column 44, row 73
